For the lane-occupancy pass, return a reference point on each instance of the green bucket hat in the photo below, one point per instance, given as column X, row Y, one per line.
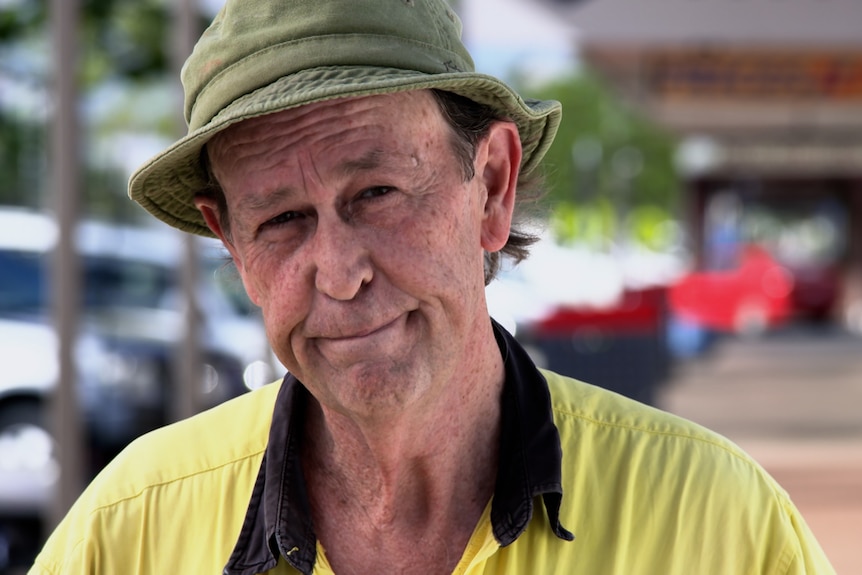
column 264, row 56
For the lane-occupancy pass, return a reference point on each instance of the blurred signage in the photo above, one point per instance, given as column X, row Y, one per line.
column 754, row 74
column 787, row 158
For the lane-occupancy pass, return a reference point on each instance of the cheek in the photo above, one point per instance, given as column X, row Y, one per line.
column 283, row 309
column 251, row 288
column 273, row 284
column 446, row 254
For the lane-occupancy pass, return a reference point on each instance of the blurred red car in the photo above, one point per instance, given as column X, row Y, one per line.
column 816, row 290
column 749, row 299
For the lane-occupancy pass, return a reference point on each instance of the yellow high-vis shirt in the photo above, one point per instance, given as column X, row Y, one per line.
column 642, row 491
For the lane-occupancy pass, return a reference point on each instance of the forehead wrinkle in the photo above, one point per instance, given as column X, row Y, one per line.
column 266, row 136
column 274, row 140
column 232, row 148
column 375, row 159
column 308, row 170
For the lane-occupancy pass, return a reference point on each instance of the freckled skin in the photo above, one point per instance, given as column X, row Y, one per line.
column 353, row 230
column 373, row 290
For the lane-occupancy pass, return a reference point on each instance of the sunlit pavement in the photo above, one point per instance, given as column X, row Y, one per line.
column 793, row 399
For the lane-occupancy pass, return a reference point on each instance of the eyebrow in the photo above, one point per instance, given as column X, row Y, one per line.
column 259, row 202
column 371, row 160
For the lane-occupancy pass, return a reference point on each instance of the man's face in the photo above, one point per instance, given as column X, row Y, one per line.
column 355, row 232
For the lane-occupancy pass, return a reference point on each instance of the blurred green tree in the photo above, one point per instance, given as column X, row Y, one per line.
column 609, row 166
column 124, row 80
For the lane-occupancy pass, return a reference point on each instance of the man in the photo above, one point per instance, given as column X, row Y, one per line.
column 363, row 179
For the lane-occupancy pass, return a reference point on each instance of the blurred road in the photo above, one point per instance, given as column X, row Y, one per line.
column 793, row 400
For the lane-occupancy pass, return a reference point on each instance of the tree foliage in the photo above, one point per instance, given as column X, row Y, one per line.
column 123, row 43
column 121, row 38
column 608, row 164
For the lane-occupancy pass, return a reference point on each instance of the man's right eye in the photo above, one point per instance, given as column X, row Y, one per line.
column 283, row 219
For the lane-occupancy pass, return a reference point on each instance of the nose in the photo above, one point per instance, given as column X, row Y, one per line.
column 342, row 263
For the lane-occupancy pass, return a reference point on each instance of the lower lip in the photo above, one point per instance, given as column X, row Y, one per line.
column 360, row 343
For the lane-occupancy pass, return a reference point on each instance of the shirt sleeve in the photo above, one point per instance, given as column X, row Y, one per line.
column 809, row 557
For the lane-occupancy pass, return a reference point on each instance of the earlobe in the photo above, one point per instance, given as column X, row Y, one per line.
column 499, row 169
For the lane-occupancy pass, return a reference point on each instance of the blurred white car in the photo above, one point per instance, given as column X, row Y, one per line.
column 132, row 318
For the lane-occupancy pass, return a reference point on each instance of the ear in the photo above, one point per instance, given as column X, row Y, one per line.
column 210, row 211
column 498, row 165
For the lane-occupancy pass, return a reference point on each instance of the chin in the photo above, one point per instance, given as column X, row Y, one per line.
column 378, row 388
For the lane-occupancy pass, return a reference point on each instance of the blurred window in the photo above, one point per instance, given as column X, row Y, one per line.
column 110, row 282
column 22, row 282
column 113, row 283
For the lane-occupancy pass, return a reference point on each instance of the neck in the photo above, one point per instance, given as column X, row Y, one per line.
column 424, row 472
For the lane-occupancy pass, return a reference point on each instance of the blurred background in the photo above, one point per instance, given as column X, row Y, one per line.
column 701, row 241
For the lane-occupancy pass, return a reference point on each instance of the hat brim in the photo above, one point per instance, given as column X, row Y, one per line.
column 166, row 185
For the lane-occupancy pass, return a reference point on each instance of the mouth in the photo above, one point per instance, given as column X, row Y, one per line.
column 361, row 333
column 367, row 344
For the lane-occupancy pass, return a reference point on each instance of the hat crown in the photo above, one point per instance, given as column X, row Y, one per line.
column 252, row 43
column 260, row 57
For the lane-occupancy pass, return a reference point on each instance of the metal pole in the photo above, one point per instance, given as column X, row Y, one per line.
column 186, row 396
column 65, row 276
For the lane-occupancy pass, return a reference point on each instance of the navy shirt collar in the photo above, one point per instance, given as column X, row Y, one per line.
column 278, row 521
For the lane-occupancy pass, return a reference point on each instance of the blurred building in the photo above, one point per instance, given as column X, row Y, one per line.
column 766, row 96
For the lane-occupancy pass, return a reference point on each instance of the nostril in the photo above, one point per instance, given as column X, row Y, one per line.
column 342, row 264
column 344, row 281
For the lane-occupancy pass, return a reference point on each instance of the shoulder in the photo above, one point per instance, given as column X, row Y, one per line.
column 660, row 452
column 604, row 416
column 640, row 479
column 645, row 454
column 189, row 481
column 205, row 443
